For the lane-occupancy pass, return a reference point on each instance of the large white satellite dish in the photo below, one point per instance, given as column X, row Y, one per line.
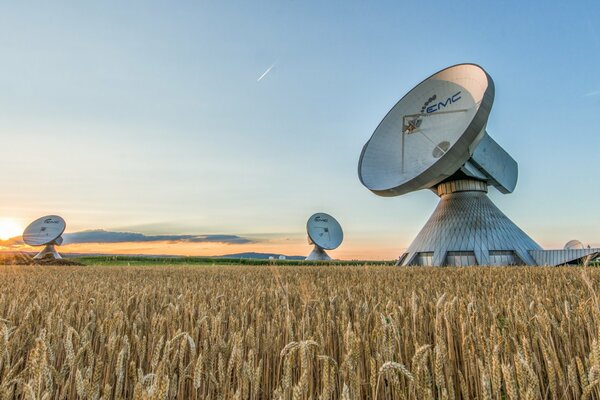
column 435, row 131
column 325, row 233
column 45, row 231
column 435, row 138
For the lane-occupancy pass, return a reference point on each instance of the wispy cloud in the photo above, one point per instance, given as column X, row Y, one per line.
column 12, row 242
column 593, row 93
column 102, row 236
column 260, row 78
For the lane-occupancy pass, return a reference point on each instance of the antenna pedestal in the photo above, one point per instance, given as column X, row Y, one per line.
column 466, row 228
column 318, row 254
column 48, row 252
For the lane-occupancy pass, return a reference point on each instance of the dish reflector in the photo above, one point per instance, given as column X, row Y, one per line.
column 433, row 132
column 324, row 231
column 44, row 230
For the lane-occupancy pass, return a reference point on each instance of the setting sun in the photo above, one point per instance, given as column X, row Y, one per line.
column 9, row 228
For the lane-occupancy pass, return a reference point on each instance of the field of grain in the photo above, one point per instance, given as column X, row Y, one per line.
column 292, row 332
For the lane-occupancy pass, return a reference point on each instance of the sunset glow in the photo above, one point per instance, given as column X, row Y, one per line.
column 183, row 124
column 9, row 228
column 353, row 251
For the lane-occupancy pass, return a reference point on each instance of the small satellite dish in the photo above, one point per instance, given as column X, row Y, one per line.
column 45, row 231
column 325, row 233
column 574, row 245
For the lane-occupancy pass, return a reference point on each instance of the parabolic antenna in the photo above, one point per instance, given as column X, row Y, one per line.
column 435, row 138
column 325, row 233
column 45, row 231
column 574, row 245
column 435, row 131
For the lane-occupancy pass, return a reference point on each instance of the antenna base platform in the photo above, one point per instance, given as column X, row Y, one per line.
column 466, row 228
column 318, row 254
column 48, row 252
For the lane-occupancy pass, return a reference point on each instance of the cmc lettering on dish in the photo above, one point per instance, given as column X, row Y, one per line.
column 428, row 109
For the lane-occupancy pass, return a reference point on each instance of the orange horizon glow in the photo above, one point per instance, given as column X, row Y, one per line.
column 351, row 249
column 347, row 251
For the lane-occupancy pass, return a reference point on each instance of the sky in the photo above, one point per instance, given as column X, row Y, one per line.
column 235, row 121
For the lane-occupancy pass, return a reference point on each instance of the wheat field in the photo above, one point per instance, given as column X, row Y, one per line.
column 299, row 332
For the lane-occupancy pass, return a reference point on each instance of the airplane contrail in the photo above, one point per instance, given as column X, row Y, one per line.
column 265, row 73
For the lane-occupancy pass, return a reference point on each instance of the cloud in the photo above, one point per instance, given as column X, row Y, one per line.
column 592, row 93
column 12, row 242
column 102, row 236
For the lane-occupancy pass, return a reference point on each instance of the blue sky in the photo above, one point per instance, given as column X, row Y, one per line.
column 147, row 116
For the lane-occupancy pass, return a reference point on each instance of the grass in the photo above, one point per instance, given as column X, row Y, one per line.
column 127, row 260
column 289, row 332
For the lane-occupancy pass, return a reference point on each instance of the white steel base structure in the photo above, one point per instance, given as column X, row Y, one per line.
column 466, row 228
column 318, row 254
column 48, row 252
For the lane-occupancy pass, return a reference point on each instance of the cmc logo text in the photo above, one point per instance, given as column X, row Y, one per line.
column 442, row 104
column 318, row 218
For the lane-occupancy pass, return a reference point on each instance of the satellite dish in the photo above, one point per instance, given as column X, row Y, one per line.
column 435, row 138
column 325, row 233
column 45, row 231
column 433, row 132
column 574, row 245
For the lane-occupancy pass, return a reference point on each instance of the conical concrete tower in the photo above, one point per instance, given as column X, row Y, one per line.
column 466, row 228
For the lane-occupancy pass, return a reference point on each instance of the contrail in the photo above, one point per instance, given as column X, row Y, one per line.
column 592, row 93
column 266, row 72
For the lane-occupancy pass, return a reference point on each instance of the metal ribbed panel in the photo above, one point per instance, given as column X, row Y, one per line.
column 461, row 185
column 559, row 257
column 469, row 222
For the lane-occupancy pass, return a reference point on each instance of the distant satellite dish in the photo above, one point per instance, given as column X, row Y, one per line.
column 45, row 231
column 574, row 245
column 325, row 233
